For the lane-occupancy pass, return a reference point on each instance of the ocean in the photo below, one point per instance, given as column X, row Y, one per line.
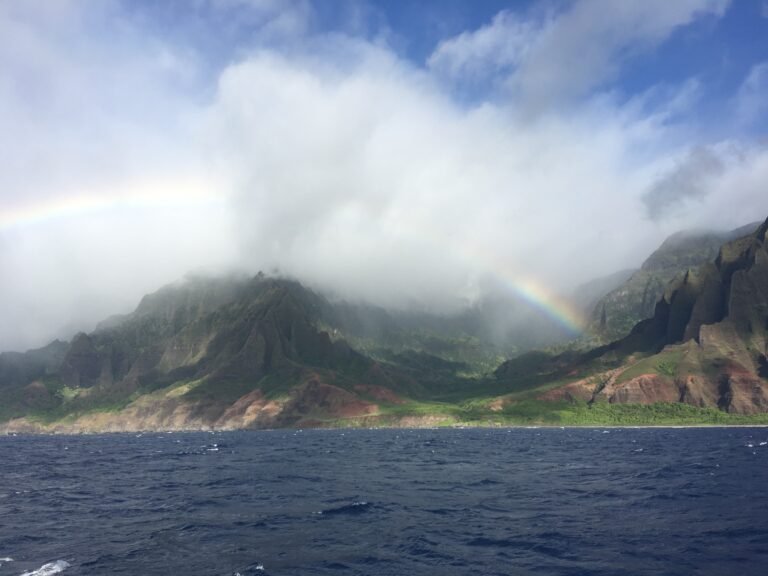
column 618, row 501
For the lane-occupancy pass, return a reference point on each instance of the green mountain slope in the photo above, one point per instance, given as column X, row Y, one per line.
column 267, row 352
column 705, row 345
column 234, row 352
column 614, row 315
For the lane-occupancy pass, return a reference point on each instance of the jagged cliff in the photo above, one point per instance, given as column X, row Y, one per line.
column 705, row 345
column 615, row 314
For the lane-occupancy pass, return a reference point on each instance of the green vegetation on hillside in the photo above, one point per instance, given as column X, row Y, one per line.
column 270, row 352
column 539, row 413
column 605, row 414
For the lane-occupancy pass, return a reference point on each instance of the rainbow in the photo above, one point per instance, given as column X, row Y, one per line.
column 531, row 290
column 528, row 288
column 549, row 302
column 155, row 195
column 172, row 194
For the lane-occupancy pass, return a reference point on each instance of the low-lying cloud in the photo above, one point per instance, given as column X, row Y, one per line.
column 332, row 158
column 691, row 179
column 368, row 179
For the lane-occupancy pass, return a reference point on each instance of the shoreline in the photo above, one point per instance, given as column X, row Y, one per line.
column 33, row 431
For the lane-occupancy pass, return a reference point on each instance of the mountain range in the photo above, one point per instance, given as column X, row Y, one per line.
column 239, row 352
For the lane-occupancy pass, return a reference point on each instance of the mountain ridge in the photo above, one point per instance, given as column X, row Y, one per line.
column 705, row 345
column 268, row 352
column 615, row 313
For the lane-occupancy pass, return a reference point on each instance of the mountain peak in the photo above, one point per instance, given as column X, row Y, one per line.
column 616, row 313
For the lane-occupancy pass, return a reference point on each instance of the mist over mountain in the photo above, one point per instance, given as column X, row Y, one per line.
column 235, row 351
column 704, row 346
column 617, row 310
column 434, row 162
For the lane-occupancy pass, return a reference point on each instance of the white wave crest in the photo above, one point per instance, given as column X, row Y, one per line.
column 49, row 569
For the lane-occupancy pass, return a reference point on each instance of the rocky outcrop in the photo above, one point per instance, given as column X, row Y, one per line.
column 699, row 391
column 731, row 289
column 614, row 315
column 379, row 393
column 643, row 389
column 316, row 401
column 580, row 391
column 251, row 411
column 742, row 393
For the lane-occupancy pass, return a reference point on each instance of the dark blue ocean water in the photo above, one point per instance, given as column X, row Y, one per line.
column 387, row 502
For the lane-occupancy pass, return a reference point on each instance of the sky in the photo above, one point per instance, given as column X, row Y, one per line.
column 403, row 153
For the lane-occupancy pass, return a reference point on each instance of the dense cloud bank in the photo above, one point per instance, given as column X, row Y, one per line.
column 135, row 153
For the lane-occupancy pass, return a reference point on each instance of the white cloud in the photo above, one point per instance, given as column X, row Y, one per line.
column 483, row 53
column 270, row 19
column 738, row 195
column 752, row 97
column 101, row 196
column 568, row 54
column 344, row 164
column 366, row 178
column 78, row 91
column 65, row 274
column 692, row 178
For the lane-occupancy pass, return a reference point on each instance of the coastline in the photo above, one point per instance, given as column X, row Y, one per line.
column 36, row 429
column 146, row 416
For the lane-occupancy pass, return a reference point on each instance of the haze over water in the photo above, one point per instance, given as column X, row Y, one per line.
column 388, row 502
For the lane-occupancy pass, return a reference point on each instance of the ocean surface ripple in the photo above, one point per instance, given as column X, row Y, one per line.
column 387, row 502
